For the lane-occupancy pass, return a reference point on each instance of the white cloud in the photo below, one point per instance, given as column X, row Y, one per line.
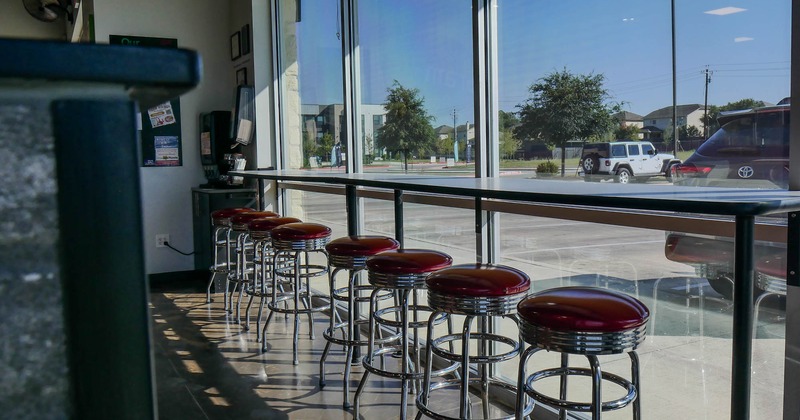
column 742, row 39
column 725, row 11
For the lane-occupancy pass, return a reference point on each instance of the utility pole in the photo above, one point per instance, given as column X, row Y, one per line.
column 455, row 137
column 705, row 105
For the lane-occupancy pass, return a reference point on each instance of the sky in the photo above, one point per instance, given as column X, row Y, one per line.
column 427, row 45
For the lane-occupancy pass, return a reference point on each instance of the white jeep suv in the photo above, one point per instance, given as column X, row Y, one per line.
column 624, row 161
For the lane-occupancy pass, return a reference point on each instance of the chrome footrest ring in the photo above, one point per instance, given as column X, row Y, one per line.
column 380, row 316
column 390, row 350
column 306, row 271
column 438, row 343
column 579, row 406
column 456, row 383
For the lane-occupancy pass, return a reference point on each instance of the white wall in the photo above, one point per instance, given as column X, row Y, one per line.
column 15, row 22
column 201, row 25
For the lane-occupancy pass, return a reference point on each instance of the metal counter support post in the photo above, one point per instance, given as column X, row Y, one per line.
column 742, row 318
column 352, row 209
column 398, row 216
column 102, row 259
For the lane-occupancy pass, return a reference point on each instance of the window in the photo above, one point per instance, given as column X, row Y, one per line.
column 418, row 51
column 618, row 150
column 423, row 49
column 633, row 150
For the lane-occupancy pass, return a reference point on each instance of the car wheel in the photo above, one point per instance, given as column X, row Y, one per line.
column 591, row 164
column 623, row 176
column 668, row 172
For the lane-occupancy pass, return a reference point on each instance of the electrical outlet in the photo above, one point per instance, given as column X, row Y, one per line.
column 161, row 240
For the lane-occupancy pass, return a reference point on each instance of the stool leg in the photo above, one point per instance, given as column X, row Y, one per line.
column 426, row 382
column 464, row 405
column 273, row 302
column 351, row 327
column 331, row 327
column 229, row 266
column 263, row 288
column 297, row 284
column 370, row 348
column 562, row 390
column 307, row 299
column 483, row 369
column 637, row 403
column 215, row 262
column 522, row 394
column 597, row 381
column 404, row 351
column 417, row 358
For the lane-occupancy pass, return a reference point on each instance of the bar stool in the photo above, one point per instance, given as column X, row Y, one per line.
column 350, row 253
column 403, row 271
column 587, row 321
column 296, row 240
column 263, row 254
column 241, row 275
column 221, row 221
column 479, row 291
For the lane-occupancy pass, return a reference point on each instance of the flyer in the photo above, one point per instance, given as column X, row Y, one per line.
column 161, row 115
column 166, row 151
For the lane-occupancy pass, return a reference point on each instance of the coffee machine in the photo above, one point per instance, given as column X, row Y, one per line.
column 218, row 151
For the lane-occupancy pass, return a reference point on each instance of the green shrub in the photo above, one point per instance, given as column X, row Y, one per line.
column 547, row 167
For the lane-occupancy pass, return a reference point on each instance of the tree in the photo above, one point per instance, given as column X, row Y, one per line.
column 408, row 126
column 325, row 145
column 714, row 111
column 563, row 107
column 626, row 132
column 444, row 146
column 684, row 132
column 508, row 144
column 507, row 120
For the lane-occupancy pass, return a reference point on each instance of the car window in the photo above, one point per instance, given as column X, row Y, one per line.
column 618, row 150
column 772, row 129
column 734, row 138
column 633, row 150
column 646, row 148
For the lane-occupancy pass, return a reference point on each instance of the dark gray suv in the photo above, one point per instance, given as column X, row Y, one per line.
column 751, row 149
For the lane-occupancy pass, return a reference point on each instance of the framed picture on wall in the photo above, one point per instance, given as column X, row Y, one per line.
column 241, row 76
column 236, row 46
column 245, row 39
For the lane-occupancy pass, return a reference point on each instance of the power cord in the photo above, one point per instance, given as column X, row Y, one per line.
column 166, row 244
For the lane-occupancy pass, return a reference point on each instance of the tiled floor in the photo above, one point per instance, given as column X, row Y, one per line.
column 208, row 367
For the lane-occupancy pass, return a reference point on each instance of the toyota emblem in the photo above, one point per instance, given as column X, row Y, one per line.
column 746, row 172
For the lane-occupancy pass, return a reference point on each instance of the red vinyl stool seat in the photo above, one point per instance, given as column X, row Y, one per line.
column 350, row 253
column 259, row 232
column 221, row 248
column 402, row 271
column 479, row 291
column 586, row 321
column 296, row 242
column 241, row 275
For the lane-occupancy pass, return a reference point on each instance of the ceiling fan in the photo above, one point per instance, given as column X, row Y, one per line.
column 48, row 10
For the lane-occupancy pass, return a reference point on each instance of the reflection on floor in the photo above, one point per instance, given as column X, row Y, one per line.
column 208, row 367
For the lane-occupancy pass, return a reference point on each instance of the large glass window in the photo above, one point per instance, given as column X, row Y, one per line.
column 574, row 75
column 311, row 104
column 416, row 83
column 574, row 78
